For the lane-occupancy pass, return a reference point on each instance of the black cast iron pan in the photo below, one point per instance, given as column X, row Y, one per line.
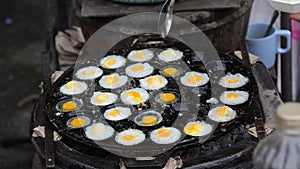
column 194, row 60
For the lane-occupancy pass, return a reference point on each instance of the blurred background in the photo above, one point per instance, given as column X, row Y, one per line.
column 22, row 34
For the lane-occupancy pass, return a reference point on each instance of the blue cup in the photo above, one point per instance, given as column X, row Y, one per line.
column 266, row 47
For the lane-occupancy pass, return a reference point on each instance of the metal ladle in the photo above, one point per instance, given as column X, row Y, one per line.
column 165, row 20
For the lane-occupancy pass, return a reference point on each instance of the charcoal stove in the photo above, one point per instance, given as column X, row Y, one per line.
column 229, row 145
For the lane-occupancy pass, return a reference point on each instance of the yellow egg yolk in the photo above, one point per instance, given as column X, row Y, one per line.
column 194, row 79
column 96, row 131
column 149, row 120
column 112, row 79
column 169, row 53
column 88, row 72
column 164, row 133
column 233, row 96
column 78, row 122
column 167, row 97
column 222, row 112
column 137, row 97
column 110, row 62
column 193, row 129
column 115, row 113
column 170, row 71
column 140, row 54
column 154, row 80
column 233, row 80
column 69, row 106
column 138, row 68
column 100, row 98
column 72, row 85
column 129, row 138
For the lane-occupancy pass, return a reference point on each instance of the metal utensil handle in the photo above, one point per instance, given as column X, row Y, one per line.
column 165, row 20
column 245, row 54
column 259, row 123
column 49, row 145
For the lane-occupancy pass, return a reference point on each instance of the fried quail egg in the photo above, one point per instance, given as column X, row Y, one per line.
column 165, row 135
column 99, row 131
column 139, row 70
column 113, row 81
column 103, row 98
column 221, row 114
column 170, row 55
column 117, row 113
column 153, row 82
column 112, row 62
column 130, row 137
column 78, row 122
column 234, row 97
column 134, row 96
column 89, row 73
column 197, row 128
column 194, row 79
column 140, row 55
column 148, row 118
column 69, row 105
column 171, row 71
column 73, row 87
column 233, row 80
column 167, row 97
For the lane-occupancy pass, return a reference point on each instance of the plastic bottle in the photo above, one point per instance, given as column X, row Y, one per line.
column 281, row 149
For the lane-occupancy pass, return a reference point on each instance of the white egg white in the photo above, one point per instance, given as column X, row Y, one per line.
column 243, row 97
column 170, row 55
column 138, row 134
column 207, row 128
column 120, row 61
column 224, row 81
column 132, row 55
column 112, row 98
column 185, row 79
column 125, row 112
column 128, row 99
column 83, row 75
column 144, row 83
column 212, row 101
column 77, row 87
column 230, row 114
column 99, row 131
column 148, row 69
column 174, row 136
column 122, row 81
